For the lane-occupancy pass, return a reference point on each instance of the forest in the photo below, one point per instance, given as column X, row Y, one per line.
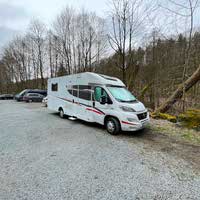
column 153, row 46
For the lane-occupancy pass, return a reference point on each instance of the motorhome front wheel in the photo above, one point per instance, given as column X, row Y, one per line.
column 113, row 126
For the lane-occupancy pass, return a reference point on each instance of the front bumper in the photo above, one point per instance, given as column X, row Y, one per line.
column 132, row 123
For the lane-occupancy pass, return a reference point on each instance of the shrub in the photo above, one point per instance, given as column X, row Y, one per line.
column 164, row 116
column 190, row 119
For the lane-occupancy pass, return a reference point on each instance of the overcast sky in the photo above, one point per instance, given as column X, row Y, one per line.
column 15, row 15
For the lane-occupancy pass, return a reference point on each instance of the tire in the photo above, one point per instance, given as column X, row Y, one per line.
column 113, row 126
column 61, row 113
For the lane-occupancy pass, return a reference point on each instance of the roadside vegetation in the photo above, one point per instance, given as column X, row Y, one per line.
column 153, row 46
column 175, row 131
column 188, row 119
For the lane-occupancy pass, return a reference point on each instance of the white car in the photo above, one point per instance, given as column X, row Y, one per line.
column 44, row 101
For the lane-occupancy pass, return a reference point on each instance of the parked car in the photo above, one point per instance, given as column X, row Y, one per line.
column 6, row 96
column 44, row 101
column 19, row 97
column 33, row 97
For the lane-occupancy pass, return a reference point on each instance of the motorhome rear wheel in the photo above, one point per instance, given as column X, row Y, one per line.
column 61, row 113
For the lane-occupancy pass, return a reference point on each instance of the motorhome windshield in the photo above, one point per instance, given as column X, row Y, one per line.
column 121, row 94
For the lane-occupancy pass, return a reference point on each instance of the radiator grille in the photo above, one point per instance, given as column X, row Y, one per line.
column 142, row 116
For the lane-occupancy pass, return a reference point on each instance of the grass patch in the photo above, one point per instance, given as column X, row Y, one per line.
column 181, row 133
column 191, row 137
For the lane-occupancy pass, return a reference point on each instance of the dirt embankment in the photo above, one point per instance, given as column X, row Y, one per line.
column 168, row 138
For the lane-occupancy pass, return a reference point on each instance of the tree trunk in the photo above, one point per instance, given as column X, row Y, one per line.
column 41, row 67
column 184, row 87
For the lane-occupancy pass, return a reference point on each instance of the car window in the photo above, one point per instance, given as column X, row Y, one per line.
column 33, row 95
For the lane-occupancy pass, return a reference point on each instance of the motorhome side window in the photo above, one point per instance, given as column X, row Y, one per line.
column 85, row 92
column 54, row 87
column 81, row 91
column 99, row 92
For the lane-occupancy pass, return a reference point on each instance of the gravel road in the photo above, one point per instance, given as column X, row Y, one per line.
column 45, row 157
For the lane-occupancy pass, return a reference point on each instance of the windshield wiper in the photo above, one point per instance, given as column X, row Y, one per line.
column 131, row 101
column 120, row 100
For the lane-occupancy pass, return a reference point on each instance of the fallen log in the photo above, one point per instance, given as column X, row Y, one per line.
column 184, row 87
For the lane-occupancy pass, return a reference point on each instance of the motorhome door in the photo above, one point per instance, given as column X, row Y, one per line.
column 102, row 103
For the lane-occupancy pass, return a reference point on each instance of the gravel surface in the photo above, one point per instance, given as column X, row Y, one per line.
column 45, row 157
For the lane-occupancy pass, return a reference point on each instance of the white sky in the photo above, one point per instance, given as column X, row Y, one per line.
column 15, row 15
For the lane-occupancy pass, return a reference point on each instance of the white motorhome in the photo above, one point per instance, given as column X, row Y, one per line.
column 97, row 98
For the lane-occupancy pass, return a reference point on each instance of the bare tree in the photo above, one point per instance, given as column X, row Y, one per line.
column 185, row 9
column 128, row 17
column 81, row 39
column 91, row 39
column 63, row 27
column 37, row 32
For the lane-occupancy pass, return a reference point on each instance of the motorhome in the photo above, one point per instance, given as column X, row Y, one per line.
column 97, row 98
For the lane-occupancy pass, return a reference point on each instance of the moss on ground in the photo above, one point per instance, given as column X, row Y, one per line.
column 164, row 116
column 190, row 119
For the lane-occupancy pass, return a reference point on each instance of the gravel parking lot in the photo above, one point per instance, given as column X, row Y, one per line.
column 45, row 157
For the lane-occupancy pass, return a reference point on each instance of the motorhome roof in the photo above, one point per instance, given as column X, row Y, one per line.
column 94, row 78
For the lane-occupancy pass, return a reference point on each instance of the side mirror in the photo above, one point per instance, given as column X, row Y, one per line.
column 103, row 100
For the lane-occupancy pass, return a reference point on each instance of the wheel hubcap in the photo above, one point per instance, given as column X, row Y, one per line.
column 110, row 126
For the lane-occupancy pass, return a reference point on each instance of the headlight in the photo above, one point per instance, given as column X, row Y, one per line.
column 127, row 109
column 132, row 120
